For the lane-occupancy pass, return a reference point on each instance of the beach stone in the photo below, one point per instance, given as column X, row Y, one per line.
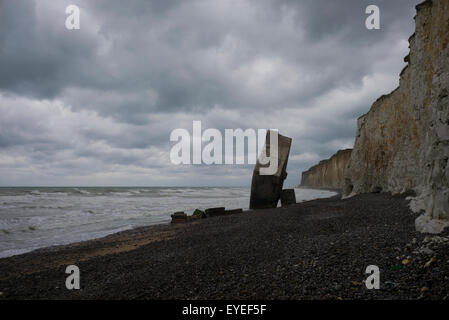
column 266, row 189
column 288, row 197
column 198, row 214
column 178, row 217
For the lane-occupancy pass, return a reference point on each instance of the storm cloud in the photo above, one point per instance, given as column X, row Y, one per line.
column 96, row 106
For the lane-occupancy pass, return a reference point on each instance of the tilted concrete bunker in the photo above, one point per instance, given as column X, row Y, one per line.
column 266, row 189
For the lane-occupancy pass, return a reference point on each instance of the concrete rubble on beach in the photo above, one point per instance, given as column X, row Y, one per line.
column 288, row 197
column 181, row 217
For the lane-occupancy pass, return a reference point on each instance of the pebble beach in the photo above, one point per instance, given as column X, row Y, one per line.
column 312, row 250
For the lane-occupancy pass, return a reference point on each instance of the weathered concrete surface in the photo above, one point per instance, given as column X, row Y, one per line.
column 288, row 197
column 328, row 173
column 212, row 212
column 179, row 217
column 403, row 141
column 234, row 211
column 266, row 189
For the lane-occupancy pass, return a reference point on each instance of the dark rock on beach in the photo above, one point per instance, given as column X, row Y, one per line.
column 198, row 214
column 213, row 212
column 288, row 197
column 179, row 217
column 234, row 211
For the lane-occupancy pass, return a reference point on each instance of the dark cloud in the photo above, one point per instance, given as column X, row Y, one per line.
column 100, row 102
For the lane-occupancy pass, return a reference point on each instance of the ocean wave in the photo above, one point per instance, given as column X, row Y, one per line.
column 81, row 191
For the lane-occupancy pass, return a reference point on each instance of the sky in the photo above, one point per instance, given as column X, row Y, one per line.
column 96, row 106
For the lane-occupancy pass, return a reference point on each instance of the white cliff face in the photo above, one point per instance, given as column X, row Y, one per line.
column 434, row 195
column 328, row 173
column 402, row 143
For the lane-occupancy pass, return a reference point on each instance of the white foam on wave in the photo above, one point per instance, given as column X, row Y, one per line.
column 81, row 191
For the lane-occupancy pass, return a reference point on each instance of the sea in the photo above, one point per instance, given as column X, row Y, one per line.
column 37, row 217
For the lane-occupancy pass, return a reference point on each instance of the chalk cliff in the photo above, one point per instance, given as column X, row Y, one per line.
column 402, row 143
column 328, row 173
